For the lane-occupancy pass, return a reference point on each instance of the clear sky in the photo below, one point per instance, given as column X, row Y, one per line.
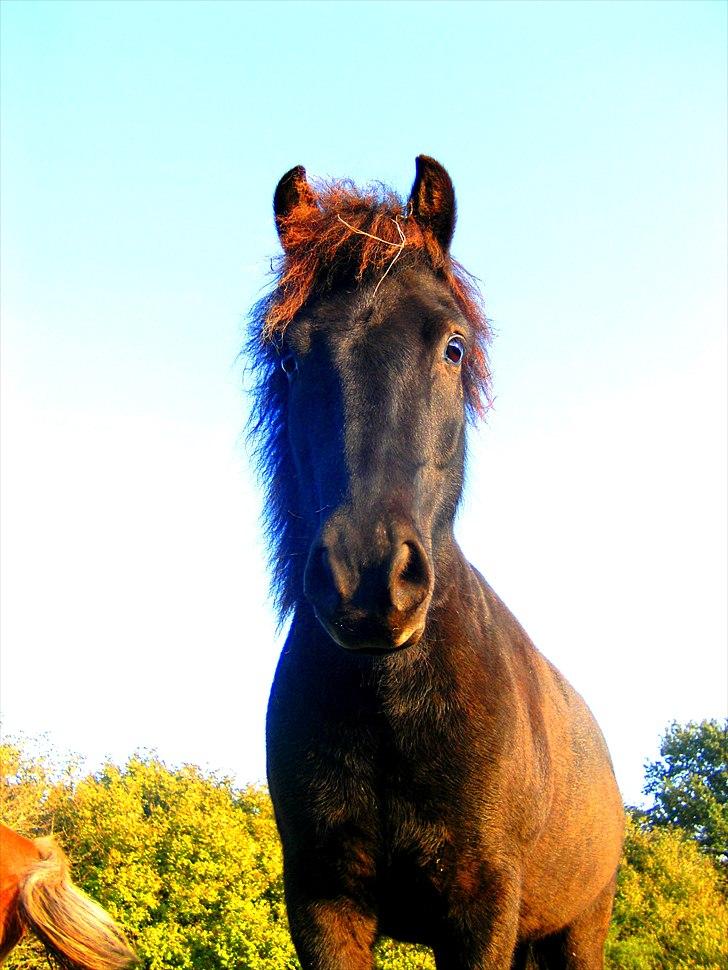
column 141, row 143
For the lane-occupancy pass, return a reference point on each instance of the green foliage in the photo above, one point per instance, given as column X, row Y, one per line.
column 29, row 781
column 670, row 910
column 690, row 784
column 402, row 956
column 191, row 868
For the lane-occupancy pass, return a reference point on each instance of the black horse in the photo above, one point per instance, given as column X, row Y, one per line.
column 434, row 778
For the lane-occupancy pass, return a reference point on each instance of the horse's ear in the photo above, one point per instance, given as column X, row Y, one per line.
column 290, row 191
column 433, row 199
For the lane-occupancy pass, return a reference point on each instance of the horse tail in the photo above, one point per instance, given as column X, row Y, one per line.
column 75, row 930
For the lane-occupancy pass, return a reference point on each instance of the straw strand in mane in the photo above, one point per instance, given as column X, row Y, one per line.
column 76, row 932
column 338, row 231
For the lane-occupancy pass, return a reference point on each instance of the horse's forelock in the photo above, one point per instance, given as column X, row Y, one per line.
column 340, row 228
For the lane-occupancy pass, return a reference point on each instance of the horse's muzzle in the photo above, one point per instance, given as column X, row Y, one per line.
column 370, row 588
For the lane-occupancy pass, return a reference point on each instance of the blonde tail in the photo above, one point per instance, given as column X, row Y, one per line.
column 75, row 930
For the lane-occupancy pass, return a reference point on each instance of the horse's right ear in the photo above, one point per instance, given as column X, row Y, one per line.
column 433, row 199
column 290, row 192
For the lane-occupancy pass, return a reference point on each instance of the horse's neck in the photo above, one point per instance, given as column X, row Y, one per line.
column 460, row 597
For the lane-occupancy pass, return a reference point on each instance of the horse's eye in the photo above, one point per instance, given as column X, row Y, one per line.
column 455, row 350
column 289, row 364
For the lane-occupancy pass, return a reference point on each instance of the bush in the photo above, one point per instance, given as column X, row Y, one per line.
column 191, row 867
column 670, row 910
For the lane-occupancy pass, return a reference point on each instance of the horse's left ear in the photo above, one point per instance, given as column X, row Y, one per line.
column 433, row 199
column 292, row 189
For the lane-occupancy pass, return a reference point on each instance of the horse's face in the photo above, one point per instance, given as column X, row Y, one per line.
column 369, row 366
column 376, row 420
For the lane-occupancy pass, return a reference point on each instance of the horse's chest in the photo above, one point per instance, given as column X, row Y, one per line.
column 401, row 793
column 388, row 799
column 389, row 828
column 396, row 764
column 399, row 769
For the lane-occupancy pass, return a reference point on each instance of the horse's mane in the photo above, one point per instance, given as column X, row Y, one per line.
column 337, row 234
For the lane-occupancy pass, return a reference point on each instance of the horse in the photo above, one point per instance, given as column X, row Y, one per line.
column 434, row 778
column 37, row 895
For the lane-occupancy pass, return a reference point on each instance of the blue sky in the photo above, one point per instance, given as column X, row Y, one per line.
column 140, row 147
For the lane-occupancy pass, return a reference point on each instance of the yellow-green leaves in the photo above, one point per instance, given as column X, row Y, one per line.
column 191, row 868
column 671, row 910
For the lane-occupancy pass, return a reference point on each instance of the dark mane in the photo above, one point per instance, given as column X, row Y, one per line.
column 328, row 242
column 283, row 515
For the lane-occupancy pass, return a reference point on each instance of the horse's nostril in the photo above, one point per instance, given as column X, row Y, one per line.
column 415, row 570
column 411, row 576
column 324, row 580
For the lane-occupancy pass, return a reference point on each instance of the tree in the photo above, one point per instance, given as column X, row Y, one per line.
column 689, row 784
column 670, row 912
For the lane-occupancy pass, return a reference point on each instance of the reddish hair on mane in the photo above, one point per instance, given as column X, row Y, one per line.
column 337, row 228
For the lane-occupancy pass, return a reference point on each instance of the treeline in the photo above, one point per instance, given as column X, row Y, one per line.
column 190, row 865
